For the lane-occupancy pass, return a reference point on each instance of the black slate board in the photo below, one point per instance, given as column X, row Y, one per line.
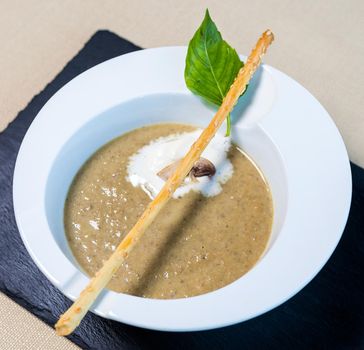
column 327, row 314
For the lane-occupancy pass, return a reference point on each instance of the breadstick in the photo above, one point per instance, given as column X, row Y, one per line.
column 73, row 316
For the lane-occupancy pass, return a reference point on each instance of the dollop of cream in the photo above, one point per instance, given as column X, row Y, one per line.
column 144, row 165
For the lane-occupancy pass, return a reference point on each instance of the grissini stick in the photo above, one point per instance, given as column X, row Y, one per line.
column 73, row 316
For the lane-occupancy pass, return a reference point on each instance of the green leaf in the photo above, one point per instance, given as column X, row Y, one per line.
column 211, row 64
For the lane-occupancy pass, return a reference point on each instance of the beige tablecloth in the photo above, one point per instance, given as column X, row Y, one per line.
column 21, row 330
column 319, row 43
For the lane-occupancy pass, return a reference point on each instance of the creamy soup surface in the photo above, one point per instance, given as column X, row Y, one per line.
column 196, row 245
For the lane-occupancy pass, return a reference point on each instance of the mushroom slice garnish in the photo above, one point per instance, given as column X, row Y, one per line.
column 166, row 172
column 202, row 167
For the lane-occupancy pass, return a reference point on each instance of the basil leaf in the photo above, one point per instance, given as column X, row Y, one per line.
column 211, row 64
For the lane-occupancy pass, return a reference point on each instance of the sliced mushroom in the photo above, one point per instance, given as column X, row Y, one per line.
column 166, row 172
column 202, row 167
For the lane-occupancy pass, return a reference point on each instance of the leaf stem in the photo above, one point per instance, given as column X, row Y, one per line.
column 228, row 126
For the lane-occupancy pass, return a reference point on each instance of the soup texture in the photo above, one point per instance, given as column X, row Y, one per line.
column 196, row 244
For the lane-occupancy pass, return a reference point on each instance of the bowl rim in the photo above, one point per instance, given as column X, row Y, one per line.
column 164, row 65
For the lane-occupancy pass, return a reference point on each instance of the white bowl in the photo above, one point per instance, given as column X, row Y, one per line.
column 278, row 123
